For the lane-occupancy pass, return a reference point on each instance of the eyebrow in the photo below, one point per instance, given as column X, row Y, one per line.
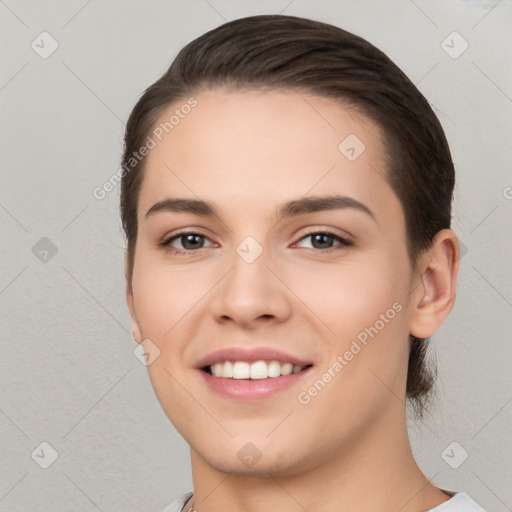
column 310, row 204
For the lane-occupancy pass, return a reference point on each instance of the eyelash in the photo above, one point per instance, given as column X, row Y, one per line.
column 343, row 242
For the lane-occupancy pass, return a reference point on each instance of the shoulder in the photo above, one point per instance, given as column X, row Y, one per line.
column 459, row 502
column 177, row 505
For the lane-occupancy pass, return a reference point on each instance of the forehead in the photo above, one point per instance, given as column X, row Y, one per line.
column 254, row 148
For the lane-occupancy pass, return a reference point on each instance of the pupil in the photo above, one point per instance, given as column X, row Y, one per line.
column 325, row 236
column 189, row 238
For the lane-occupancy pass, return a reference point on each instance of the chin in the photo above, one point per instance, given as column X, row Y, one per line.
column 264, row 467
column 260, row 458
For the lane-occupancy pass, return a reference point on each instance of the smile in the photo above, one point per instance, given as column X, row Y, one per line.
column 256, row 370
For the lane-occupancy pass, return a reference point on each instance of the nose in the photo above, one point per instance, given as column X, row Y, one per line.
column 252, row 294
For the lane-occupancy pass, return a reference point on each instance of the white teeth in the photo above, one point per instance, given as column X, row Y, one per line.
column 257, row 370
column 240, row 370
column 227, row 370
column 217, row 369
column 274, row 369
column 286, row 369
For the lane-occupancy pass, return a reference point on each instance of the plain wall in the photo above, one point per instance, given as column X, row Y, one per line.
column 68, row 375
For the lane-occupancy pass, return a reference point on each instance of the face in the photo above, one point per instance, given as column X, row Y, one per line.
column 322, row 286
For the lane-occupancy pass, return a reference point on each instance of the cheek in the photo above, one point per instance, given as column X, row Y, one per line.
column 351, row 295
column 166, row 300
column 363, row 305
column 164, row 296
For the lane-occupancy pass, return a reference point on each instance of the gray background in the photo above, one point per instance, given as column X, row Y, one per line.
column 68, row 375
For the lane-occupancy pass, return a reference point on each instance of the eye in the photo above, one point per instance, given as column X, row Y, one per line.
column 323, row 240
column 189, row 241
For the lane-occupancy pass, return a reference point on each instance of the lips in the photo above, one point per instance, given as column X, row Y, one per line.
column 251, row 375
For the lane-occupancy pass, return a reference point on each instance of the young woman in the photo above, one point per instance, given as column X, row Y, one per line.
column 286, row 200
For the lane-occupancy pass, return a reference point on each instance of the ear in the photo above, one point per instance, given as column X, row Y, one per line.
column 136, row 330
column 434, row 287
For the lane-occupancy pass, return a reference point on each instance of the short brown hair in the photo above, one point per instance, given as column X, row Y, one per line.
column 289, row 52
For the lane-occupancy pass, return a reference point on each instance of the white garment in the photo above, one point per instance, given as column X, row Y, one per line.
column 459, row 502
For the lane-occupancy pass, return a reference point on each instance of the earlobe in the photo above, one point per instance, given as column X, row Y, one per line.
column 137, row 336
column 136, row 331
column 434, row 293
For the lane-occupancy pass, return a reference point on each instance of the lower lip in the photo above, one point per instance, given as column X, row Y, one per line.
column 252, row 389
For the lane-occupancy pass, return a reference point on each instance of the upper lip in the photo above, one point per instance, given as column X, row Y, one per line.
column 250, row 356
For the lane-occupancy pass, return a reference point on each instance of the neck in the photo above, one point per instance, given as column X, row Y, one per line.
column 378, row 472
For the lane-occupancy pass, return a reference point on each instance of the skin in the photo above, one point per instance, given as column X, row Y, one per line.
column 249, row 152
